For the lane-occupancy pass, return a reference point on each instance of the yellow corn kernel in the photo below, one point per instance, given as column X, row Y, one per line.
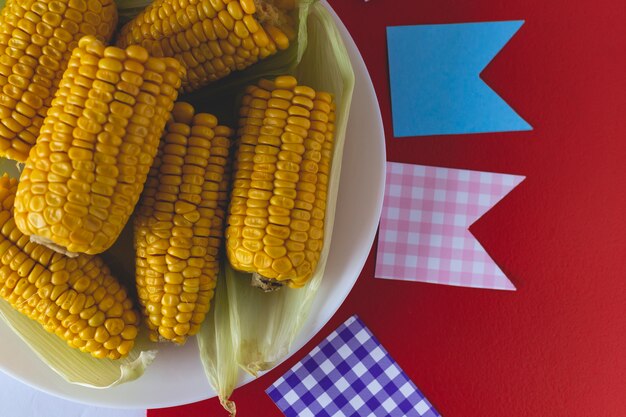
column 105, row 162
column 280, row 182
column 177, row 271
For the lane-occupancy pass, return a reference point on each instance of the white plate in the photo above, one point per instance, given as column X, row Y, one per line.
column 176, row 377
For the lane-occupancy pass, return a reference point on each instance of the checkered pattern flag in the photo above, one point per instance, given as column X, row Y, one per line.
column 424, row 234
column 349, row 374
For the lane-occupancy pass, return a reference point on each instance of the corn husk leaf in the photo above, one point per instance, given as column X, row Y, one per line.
column 215, row 344
column 264, row 325
column 71, row 364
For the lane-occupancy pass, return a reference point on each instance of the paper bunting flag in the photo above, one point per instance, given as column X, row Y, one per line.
column 423, row 234
column 349, row 374
column 434, row 78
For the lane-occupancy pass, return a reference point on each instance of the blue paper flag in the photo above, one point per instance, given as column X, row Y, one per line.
column 435, row 85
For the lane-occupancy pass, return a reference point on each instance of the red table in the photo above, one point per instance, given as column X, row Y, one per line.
column 557, row 346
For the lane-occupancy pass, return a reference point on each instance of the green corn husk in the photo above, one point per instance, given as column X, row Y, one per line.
column 264, row 325
column 215, row 343
column 74, row 366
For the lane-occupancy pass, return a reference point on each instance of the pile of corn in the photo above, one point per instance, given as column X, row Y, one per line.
column 102, row 136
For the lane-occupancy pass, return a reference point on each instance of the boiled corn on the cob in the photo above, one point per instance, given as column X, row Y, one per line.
column 36, row 41
column 87, row 170
column 75, row 298
column 178, row 225
column 282, row 164
column 212, row 38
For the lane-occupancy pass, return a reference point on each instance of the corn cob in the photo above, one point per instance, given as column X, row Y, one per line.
column 75, row 298
column 36, row 40
column 276, row 218
column 178, row 225
column 212, row 38
column 86, row 172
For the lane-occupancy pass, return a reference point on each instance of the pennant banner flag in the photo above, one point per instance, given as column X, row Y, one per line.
column 424, row 234
column 435, row 84
column 349, row 374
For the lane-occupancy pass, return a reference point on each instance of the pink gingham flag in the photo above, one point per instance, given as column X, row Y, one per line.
column 424, row 234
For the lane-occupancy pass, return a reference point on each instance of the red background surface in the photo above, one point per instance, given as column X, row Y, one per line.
column 557, row 346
